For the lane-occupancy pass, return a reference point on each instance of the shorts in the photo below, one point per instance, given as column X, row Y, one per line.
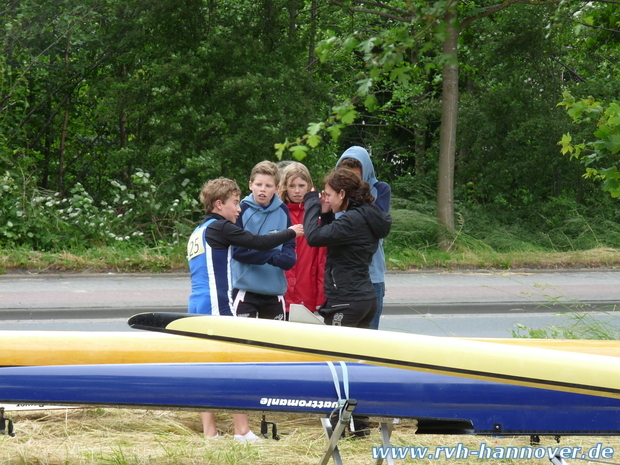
column 252, row 305
column 353, row 314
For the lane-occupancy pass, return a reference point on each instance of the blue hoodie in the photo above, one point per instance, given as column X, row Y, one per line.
column 263, row 272
column 382, row 194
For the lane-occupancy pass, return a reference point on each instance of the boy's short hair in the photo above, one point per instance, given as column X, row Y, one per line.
column 351, row 163
column 217, row 189
column 267, row 168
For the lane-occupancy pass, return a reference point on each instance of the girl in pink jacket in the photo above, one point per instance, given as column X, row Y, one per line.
column 305, row 279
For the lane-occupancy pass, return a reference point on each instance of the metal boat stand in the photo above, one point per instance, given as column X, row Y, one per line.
column 264, row 429
column 334, row 435
column 6, row 424
column 557, row 460
column 386, row 433
column 345, row 413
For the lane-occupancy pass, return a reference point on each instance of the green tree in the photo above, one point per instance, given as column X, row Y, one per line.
column 398, row 45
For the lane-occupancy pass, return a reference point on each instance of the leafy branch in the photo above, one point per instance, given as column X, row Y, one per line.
column 601, row 154
column 384, row 56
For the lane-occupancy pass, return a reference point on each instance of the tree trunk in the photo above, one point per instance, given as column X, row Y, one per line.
column 447, row 138
column 62, row 148
column 65, row 124
column 311, row 46
column 292, row 21
column 419, row 149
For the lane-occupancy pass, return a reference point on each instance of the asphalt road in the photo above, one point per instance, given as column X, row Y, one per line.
column 477, row 304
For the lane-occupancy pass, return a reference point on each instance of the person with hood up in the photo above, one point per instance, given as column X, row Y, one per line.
column 258, row 277
column 351, row 240
column 357, row 159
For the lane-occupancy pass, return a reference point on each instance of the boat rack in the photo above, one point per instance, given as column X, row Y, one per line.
column 335, row 433
column 6, row 424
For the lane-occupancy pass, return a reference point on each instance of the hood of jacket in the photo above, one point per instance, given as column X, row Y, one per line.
column 380, row 222
column 274, row 205
column 368, row 170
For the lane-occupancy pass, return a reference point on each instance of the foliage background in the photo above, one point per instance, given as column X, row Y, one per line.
column 114, row 113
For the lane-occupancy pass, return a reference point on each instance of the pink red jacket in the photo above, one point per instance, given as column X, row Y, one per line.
column 305, row 279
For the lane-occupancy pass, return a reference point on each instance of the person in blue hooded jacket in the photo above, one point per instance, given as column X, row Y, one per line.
column 358, row 160
column 259, row 281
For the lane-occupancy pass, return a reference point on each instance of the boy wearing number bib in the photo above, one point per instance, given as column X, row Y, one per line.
column 209, row 255
column 209, row 247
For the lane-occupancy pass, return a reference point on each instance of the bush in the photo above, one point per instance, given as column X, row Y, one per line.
column 412, row 229
column 140, row 213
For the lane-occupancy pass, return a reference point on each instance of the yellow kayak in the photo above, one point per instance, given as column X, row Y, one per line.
column 26, row 348
column 84, row 348
column 560, row 370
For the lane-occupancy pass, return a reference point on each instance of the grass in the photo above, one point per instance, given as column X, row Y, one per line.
column 94, row 260
column 559, row 236
column 148, row 437
column 431, row 258
column 166, row 259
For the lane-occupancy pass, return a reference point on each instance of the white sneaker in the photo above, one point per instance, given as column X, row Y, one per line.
column 248, row 437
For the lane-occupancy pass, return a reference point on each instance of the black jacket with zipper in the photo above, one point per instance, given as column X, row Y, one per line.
column 351, row 241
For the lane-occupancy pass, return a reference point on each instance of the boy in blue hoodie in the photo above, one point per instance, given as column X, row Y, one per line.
column 259, row 281
column 357, row 159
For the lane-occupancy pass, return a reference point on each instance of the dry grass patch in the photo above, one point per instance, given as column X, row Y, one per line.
column 148, row 437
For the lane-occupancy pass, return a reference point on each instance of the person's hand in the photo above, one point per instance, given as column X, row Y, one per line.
column 298, row 228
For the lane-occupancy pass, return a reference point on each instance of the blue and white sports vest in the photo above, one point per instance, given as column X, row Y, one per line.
column 211, row 276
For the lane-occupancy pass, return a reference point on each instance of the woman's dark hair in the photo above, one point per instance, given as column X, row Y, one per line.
column 356, row 190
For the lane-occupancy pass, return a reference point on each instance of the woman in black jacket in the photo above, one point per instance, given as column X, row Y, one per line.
column 344, row 219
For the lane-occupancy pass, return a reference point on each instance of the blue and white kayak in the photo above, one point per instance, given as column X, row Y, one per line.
column 441, row 403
